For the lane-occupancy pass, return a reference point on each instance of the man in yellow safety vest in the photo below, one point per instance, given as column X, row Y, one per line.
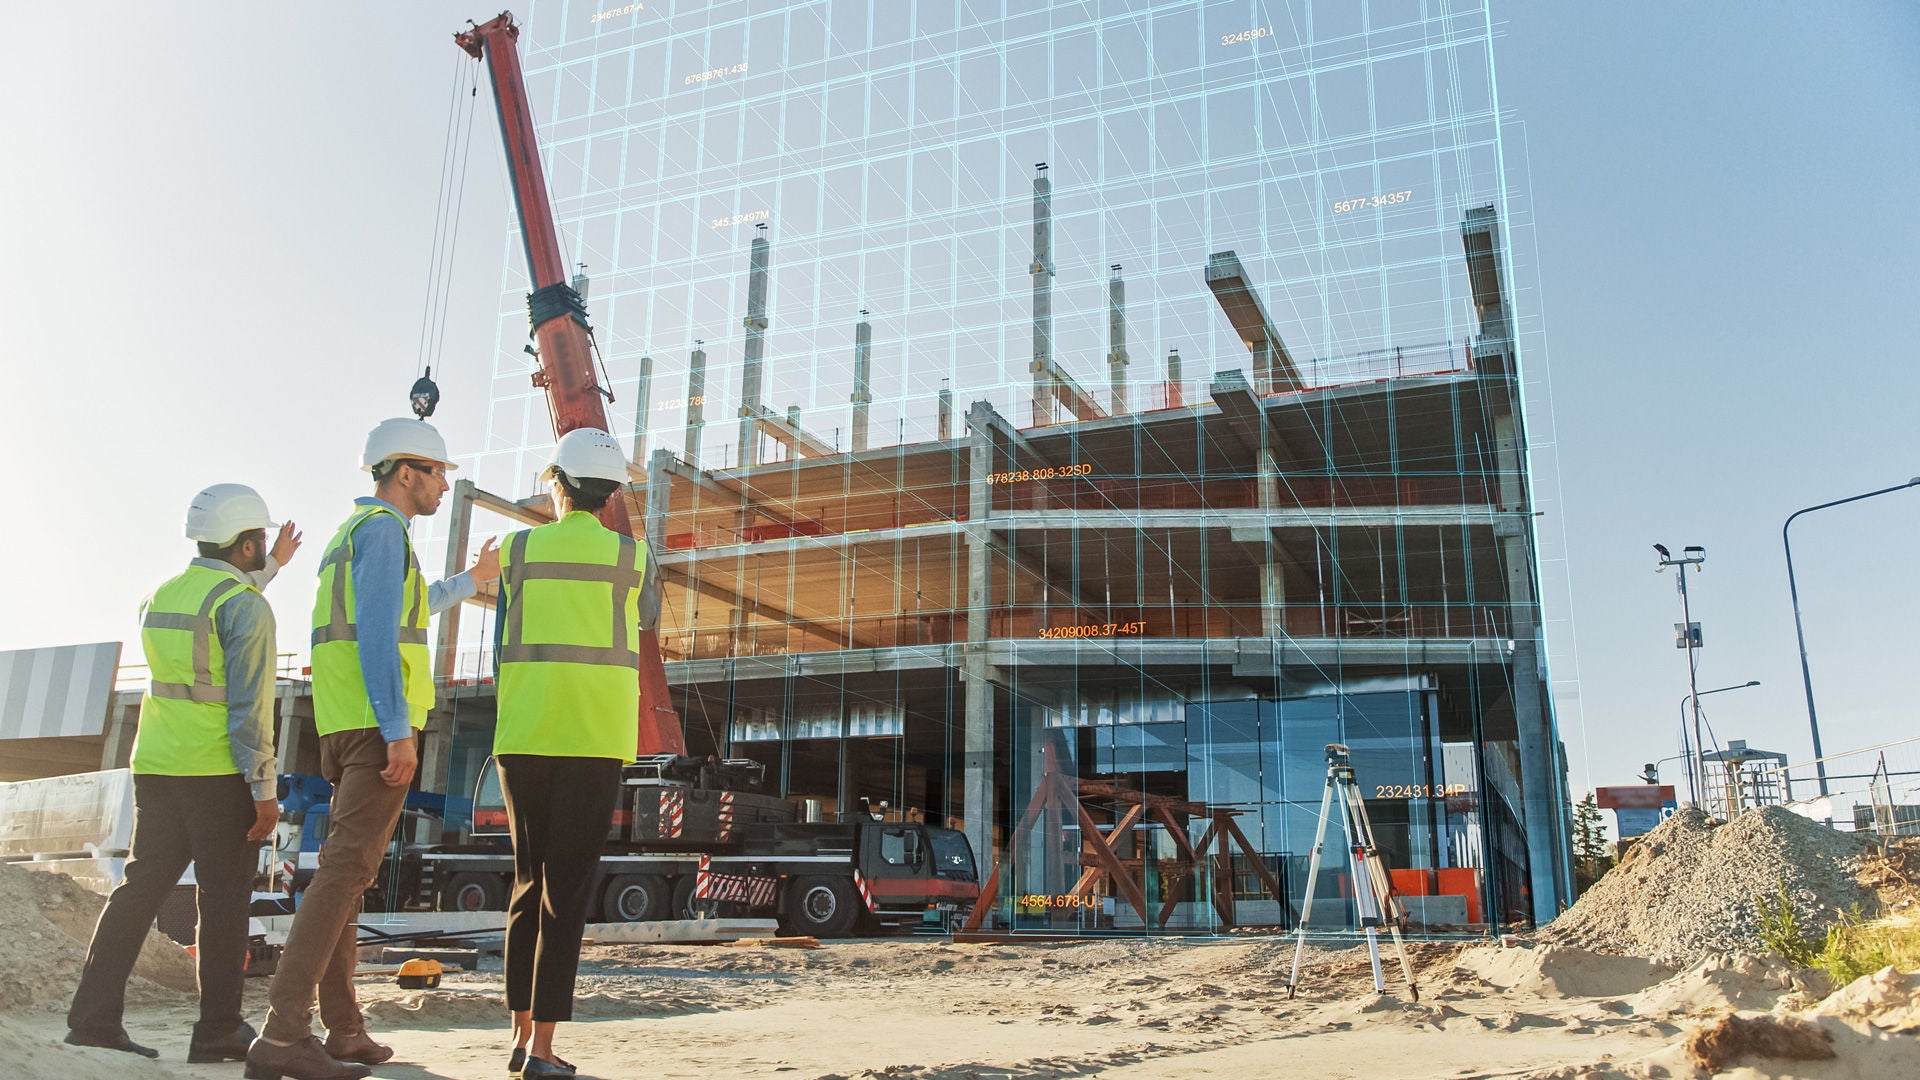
column 203, row 775
column 372, row 689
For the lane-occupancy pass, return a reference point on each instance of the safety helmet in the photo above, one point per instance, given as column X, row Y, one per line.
column 403, row 437
column 222, row 512
column 588, row 454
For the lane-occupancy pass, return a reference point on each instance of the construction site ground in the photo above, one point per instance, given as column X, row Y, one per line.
column 1122, row 1009
column 1653, row 973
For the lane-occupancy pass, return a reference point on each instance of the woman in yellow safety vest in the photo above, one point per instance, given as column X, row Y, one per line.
column 566, row 649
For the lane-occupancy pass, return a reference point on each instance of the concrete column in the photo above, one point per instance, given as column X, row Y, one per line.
column 977, row 764
column 696, row 401
column 862, row 374
column 459, row 528
column 1116, row 344
column 642, row 403
column 944, row 431
column 750, row 366
column 123, row 719
column 1042, row 271
column 1176, row 393
column 1540, row 791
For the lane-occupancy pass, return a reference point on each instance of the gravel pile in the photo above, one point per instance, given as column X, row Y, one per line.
column 45, row 923
column 1691, row 887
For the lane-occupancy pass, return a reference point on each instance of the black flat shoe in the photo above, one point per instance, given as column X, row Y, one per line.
column 517, row 1061
column 539, row 1067
column 230, row 1046
column 117, row 1040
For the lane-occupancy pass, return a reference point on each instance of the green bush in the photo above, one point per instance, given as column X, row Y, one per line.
column 1853, row 946
column 1781, row 932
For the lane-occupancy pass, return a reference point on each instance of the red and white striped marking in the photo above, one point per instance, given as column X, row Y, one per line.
column 703, row 881
column 673, row 813
column 866, row 894
column 726, row 815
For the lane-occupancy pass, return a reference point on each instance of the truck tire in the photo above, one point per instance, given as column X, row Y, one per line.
column 682, row 906
column 473, row 891
column 822, row 906
column 636, row 898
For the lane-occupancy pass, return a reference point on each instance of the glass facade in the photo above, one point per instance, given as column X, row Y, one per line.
column 1119, row 398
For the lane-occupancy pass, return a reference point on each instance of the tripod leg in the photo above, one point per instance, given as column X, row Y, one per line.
column 1383, row 889
column 1313, row 881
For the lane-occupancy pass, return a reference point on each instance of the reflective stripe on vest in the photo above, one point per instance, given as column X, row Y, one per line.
column 340, row 699
column 183, row 715
column 568, row 647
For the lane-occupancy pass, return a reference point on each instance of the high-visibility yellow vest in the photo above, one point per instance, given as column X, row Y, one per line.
column 183, row 714
column 569, row 665
column 340, row 701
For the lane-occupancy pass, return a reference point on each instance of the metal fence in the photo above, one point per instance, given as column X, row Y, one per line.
column 1873, row 789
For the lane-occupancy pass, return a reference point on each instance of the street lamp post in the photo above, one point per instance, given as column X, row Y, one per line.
column 1692, row 792
column 1692, row 555
column 1806, row 675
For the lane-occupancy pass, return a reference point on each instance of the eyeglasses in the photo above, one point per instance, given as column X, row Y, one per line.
column 428, row 468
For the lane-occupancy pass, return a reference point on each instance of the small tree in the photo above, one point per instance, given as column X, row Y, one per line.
column 1592, row 853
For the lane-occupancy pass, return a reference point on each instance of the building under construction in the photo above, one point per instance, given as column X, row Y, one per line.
column 1157, row 467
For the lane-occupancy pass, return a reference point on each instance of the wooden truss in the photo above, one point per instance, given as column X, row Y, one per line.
column 1125, row 877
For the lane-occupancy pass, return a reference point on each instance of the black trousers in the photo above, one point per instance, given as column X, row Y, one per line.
column 177, row 820
column 559, row 810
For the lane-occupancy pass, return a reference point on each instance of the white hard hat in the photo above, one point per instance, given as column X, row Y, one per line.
column 222, row 512
column 588, row 454
column 402, row 437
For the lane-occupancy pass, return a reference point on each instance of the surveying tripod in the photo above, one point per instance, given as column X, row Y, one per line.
column 1372, row 892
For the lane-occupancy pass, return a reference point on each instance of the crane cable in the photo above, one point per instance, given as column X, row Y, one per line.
column 456, row 151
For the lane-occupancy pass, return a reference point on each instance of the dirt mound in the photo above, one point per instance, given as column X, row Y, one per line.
column 1691, row 887
column 1887, row 1000
column 1561, row 971
column 43, row 942
column 1717, row 984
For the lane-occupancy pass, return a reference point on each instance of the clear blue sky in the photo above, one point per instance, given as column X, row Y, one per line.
column 218, row 222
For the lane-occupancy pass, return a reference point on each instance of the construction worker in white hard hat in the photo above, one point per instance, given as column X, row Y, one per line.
column 574, row 596
column 372, row 689
column 204, row 775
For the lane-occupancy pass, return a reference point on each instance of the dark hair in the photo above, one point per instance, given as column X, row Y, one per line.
column 589, row 493
column 226, row 552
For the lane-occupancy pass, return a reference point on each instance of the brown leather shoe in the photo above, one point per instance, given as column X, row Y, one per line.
column 304, row 1060
column 357, row 1046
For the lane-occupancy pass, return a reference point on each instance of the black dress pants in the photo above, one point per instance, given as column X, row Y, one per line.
column 559, row 810
column 177, row 820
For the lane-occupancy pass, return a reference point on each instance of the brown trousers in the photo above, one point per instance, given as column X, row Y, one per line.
column 322, row 945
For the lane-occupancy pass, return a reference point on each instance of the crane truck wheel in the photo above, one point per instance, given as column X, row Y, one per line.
column 471, row 891
column 636, row 898
column 822, row 906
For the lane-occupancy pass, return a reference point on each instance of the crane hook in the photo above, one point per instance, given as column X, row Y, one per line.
column 425, row 395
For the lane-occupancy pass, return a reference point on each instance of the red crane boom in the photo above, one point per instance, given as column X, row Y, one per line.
column 575, row 398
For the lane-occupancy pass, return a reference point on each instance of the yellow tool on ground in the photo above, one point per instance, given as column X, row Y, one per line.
column 418, row 974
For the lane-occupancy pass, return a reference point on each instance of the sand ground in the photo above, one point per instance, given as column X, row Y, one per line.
column 1130, row 1010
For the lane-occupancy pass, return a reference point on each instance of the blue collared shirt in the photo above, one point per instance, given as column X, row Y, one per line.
column 380, row 548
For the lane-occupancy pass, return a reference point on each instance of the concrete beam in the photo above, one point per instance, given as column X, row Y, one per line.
column 785, row 431
column 1274, row 369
